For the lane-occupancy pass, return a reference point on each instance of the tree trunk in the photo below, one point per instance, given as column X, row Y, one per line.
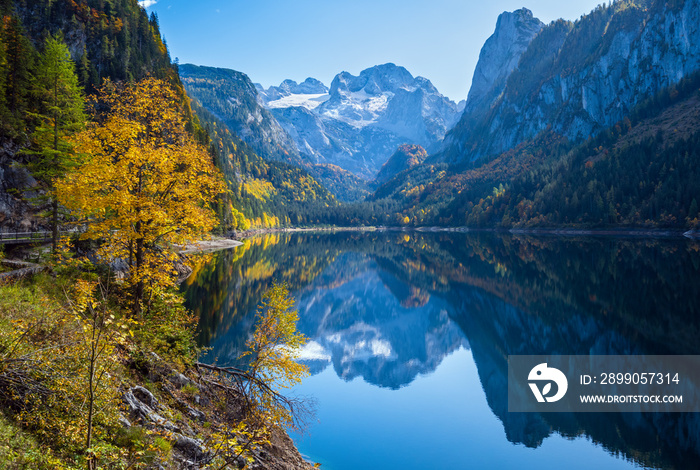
column 54, row 201
column 54, row 224
column 138, row 286
column 91, row 464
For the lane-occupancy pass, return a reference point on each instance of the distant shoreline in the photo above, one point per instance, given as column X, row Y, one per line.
column 612, row 232
column 567, row 232
column 643, row 233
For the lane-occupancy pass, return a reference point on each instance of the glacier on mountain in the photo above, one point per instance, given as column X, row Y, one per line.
column 359, row 122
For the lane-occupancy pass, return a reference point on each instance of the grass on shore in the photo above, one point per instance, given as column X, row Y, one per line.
column 44, row 358
column 19, row 449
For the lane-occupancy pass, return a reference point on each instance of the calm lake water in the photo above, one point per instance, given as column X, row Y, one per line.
column 410, row 334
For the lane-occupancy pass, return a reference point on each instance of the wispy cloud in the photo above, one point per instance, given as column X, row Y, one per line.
column 147, row 3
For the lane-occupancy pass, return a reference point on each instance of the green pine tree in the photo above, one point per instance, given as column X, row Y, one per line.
column 693, row 211
column 17, row 63
column 4, row 112
column 59, row 115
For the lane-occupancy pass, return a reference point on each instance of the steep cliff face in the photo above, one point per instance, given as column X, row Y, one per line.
column 232, row 97
column 16, row 186
column 579, row 78
column 322, row 141
column 500, row 56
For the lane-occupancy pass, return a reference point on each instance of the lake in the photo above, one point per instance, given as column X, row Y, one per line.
column 409, row 335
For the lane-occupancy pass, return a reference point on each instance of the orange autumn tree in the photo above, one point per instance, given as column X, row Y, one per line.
column 144, row 184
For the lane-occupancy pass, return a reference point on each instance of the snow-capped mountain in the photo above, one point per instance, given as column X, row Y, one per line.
column 356, row 125
column 308, row 94
column 361, row 120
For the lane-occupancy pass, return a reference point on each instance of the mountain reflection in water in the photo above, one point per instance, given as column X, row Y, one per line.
column 389, row 306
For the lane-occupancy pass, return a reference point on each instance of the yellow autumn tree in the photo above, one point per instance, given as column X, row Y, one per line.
column 144, row 184
column 273, row 350
column 272, row 366
column 272, row 354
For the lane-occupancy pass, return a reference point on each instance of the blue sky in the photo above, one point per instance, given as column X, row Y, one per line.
column 272, row 40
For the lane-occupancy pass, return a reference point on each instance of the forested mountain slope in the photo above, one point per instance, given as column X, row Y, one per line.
column 596, row 126
column 232, row 98
column 269, row 193
column 117, row 40
column 643, row 171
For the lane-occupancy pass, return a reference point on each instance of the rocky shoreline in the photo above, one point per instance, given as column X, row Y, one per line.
column 195, row 405
column 19, row 269
column 181, row 406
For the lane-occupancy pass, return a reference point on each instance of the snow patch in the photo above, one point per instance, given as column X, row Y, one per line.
column 305, row 101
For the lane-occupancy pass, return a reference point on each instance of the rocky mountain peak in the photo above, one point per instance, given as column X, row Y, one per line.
column 361, row 120
column 573, row 78
column 426, row 85
column 310, row 86
column 307, row 87
column 373, row 81
column 500, row 55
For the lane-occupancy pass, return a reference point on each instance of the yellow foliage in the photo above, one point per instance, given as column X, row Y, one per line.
column 259, row 189
column 269, row 240
column 50, row 346
column 143, row 184
column 273, row 350
column 238, row 219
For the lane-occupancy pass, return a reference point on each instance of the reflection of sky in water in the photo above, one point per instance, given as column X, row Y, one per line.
column 439, row 421
column 409, row 340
